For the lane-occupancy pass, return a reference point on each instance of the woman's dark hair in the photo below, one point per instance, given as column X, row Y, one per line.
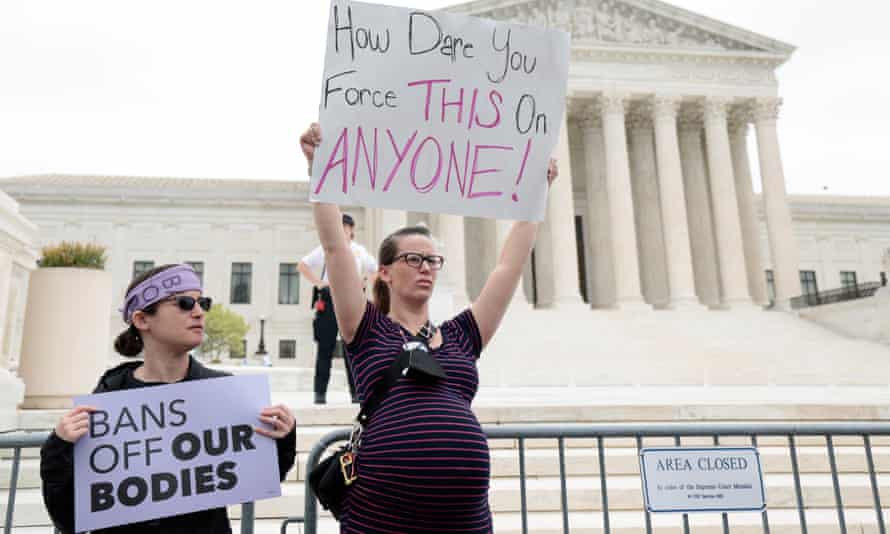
column 389, row 249
column 129, row 342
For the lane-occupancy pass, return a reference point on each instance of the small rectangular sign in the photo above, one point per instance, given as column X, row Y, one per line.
column 172, row 449
column 709, row 479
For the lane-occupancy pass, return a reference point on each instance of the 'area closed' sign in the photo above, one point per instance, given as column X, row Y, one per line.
column 711, row 479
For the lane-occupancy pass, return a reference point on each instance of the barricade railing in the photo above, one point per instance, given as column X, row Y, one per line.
column 523, row 433
column 832, row 296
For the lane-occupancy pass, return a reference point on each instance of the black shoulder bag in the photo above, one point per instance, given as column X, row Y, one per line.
column 331, row 478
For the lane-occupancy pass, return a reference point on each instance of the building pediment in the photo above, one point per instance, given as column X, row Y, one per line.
column 650, row 24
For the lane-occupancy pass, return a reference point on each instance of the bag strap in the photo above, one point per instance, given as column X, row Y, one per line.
column 390, row 377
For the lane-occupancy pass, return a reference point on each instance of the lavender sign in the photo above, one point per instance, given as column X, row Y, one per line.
column 173, row 449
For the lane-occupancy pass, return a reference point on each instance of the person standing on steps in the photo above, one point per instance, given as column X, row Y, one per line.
column 324, row 325
column 423, row 464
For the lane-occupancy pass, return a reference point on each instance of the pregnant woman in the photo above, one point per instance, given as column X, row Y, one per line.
column 423, row 462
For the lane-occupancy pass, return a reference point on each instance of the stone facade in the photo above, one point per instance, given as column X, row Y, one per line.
column 268, row 223
column 655, row 207
column 17, row 258
column 659, row 104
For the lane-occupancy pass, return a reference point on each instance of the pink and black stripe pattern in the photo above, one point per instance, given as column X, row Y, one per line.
column 424, row 462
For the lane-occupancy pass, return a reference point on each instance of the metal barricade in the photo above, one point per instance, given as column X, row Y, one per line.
column 677, row 431
column 522, row 434
column 24, row 440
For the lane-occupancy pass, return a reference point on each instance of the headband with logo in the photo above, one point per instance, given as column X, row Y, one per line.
column 157, row 287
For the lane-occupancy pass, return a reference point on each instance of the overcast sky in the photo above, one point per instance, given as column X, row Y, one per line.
column 217, row 88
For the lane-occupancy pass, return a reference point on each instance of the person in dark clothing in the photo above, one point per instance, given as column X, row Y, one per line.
column 422, row 465
column 324, row 324
column 164, row 329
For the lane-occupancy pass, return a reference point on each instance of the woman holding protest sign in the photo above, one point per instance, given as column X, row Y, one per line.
column 164, row 309
column 422, row 462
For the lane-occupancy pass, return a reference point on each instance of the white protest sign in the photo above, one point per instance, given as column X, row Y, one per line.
column 433, row 112
column 167, row 450
column 709, row 479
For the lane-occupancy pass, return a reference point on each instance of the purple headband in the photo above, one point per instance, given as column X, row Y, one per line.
column 158, row 287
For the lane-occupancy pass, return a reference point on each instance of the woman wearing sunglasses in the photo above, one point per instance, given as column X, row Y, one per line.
column 165, row 310
column 422, row 463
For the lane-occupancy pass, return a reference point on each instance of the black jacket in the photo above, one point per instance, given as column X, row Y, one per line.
column 57, row 471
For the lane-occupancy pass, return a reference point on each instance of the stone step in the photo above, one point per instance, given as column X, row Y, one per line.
column 315, row 420
column 819, row 521
column 544, row 500
column 308, row 435
column 579, row 462
column 625, row 493
column 290, row 379
column 28, row 477
column 625, row 461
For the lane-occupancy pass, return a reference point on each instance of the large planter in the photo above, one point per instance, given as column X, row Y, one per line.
column 66, row 335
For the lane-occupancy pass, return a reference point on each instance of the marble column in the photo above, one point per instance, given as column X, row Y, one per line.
column 778, row 215
column 738, row 135
column 544, row 277
column 647, row 212
column 18, row 237
column 502, row 230
column 480, row 252
column 678, row 254
column 12, row 389
column 698, row 207
column 371, row 230
column 563, row 256
column 451, row 231
column 388, row 221
column 416, row 218
column 600, row 268
column 733, row 276
column 628, row 293
column 5, row 301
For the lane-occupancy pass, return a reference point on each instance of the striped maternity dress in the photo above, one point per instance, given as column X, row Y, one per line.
column 423, row 464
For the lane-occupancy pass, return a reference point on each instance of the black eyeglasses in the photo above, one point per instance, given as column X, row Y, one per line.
column 187, row 303
column 416, row 260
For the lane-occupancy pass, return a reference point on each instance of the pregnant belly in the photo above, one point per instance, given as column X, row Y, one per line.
column 431, row 445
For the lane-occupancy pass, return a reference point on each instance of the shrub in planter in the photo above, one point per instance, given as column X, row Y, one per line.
column 67, row 333
column 73, row 254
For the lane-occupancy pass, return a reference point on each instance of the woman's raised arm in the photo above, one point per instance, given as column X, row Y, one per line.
column 344, row 280
column 491, row 305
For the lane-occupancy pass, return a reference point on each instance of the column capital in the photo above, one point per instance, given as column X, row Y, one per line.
column 613, row 102
column 590, row 115
column 639, row 115
column 665, row 106
column 739, row 117
column 690, row 117
column 716, row 107
column 767, row 109
column 738, row 129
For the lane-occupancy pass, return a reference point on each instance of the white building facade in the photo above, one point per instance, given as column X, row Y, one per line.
column 17, row 258
column 660, row 103
column 655, row 208
column 246, row 237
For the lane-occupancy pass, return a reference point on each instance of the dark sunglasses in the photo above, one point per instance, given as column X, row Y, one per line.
column 416, row 260
column 187, row 303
